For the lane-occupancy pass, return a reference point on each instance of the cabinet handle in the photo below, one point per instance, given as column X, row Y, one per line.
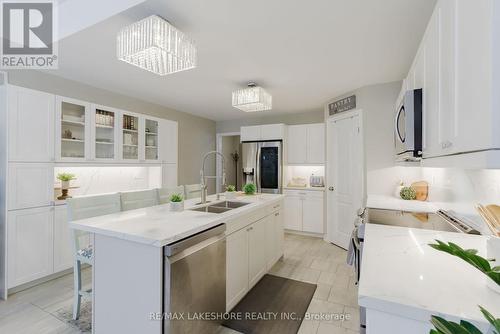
column 249, row 229
column 331, row 188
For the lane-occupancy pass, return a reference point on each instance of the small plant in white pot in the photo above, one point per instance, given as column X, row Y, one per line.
column 230, row 192
column 176, row 203
column 65, row 179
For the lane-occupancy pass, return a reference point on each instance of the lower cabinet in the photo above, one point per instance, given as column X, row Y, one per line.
column 38, row 244
column 304, row 211
column 29, row 244
column 251, row 252
column 63, row 250
column 257, row 252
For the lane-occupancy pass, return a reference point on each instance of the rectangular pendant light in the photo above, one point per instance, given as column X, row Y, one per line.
column 157, row 46
column 252, row 99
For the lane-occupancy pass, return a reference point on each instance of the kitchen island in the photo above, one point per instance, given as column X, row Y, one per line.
column 130, row 286
column 404, row 281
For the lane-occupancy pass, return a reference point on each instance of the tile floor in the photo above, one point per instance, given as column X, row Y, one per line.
column 306, row 259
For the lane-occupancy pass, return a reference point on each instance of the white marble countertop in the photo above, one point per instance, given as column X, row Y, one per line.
column 393, row 203
column 158, row 226
column 401, row 274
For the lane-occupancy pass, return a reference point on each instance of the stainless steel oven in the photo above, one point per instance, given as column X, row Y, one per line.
column 408, row 126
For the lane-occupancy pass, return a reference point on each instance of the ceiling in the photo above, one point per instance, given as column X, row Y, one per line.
column 301, row 52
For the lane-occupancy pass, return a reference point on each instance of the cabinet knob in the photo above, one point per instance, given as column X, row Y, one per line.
column 331, row 188
column 249, row 229
column 277, row 214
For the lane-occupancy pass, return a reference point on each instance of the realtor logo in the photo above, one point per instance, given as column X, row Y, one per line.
column 28, row 35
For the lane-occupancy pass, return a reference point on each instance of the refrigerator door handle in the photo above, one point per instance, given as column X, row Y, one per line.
column 257, row 168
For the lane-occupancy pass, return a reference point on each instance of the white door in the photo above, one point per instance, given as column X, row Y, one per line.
column 297, row 144
column 312, row 214
column 31, row 125
column 168, row 141
column 29, row 245
column 293, row 212
column 237, row 267
column 257, row 261
column 345, row 174
column 63, row 250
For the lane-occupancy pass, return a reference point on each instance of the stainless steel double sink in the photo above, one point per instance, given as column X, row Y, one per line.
column 220, row 207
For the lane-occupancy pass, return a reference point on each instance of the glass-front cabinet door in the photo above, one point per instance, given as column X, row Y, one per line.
column 72, row 129
column 105, row 121
column 130, row 137
column 151, row 129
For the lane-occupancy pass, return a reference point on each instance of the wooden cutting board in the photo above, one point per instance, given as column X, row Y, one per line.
column 422, row 190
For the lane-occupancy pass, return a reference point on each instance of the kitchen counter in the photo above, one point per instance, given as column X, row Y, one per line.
column 158, row 226
column 403, row 277
column 393, row 203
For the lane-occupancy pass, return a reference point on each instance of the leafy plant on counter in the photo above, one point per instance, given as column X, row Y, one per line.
column 464, row 327
column 408, row 193
column 66, row 176
column 470, row 256
column 443, row 326
column 176, row 198
column 249, row 188
column 230, row 188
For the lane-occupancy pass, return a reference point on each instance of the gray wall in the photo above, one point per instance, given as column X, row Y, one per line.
column 300, row 118
column 196, row 134
column 378, row 103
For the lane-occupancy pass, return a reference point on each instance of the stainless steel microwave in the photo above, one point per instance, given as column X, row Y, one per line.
column 408, row 126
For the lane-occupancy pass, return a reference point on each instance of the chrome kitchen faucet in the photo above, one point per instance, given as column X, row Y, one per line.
column 203, row 177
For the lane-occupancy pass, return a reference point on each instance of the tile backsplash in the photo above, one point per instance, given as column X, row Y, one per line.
column 99, row 180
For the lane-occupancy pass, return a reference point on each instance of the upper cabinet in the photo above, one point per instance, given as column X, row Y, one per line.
column 104, row 132
column 130, row 137
column 458, row 69
column 167, row 140
column 30, row 125
column 306, row 144
column 262, row 132
column 72, row 129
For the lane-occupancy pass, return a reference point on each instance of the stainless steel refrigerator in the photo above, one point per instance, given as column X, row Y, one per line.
column 262, row 165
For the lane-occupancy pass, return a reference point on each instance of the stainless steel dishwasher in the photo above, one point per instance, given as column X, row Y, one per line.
column 195, row 282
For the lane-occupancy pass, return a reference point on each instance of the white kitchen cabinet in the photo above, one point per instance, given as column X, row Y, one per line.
column 293, row 211
column 272, row 131
column 250, row 133
column 262, row 132
column 30, row 125
column 457, row 68
column 63, row 249
column 72, row 130
column 29, row 245
column 297, row 144
column 312, row 215
column 257, row 257
column 168, row 141
column 304, row 211
column 306, row 144
column 274, row 238
column 237, row 267
column 316, row 143
column 30, row 185
column 104, row 136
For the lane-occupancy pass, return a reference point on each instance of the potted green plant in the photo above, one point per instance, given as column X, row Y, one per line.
column 249, row 189
column 176, row 203
column 65, row 179
column 230, row 192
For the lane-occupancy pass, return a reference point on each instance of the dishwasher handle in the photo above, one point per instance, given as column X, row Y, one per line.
column 183, row 244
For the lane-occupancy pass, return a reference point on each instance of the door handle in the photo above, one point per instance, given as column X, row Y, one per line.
column 331, row 188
